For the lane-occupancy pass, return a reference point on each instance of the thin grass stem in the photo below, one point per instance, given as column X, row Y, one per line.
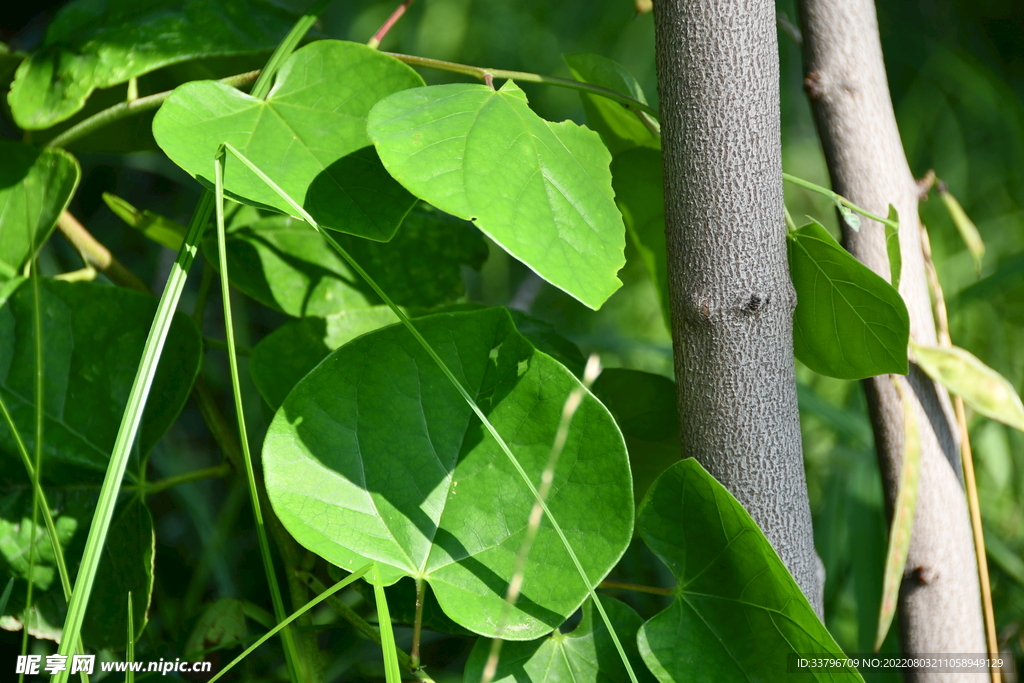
column 287, row 636
column 295, row 615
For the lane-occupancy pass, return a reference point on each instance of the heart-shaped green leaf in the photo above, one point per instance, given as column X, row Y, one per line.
column 375, row 455
column 541, row 190
column 738, row 612
column 849, row 323
column 99, row 43
column 620, row 128
column 93, row 336
column 584, row 655
column 308, row 136
column 35, row 187
column 284, row 263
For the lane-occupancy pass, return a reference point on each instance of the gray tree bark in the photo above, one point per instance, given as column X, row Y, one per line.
column 940, row 603
column 730, row 293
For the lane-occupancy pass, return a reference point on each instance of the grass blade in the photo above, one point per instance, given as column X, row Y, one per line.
column 392, row 674
column 903, row 513
column 129, row 648
column 298, row 613
column 287, row 637
column 458, row 386
column 6, row 595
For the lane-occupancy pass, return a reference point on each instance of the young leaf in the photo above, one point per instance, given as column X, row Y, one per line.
column 964, row 225
column 93, row 337
column 980, row 386
column 541, row 190
column 99, row 43
column 584, row 655
column 892, row 247
column 636, row 177
column 902, row 514
column 287, row 265
column 851, row 217
column 620, row 128
column 375, row 454
column 644, row 407
column 849, row 323
column 738, row 611
column 35, row 187
column 160, row 229
column 309, row 135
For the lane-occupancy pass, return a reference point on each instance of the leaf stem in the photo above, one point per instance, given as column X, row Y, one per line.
column 417, row 624
column 96, row 254
column 837, row 198
column 125, row 110
column 524, row 77
column 154, row 487
column 386, row 26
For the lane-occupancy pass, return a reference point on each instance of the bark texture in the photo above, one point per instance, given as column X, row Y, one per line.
column 731, row 297
column 940, row 603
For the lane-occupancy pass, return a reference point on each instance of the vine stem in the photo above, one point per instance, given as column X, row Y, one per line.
column 96, row 255
column 386, row 26
column 966, row 458
column 838, row 198
column 400, row 314
column 482, row 74
column 151, row 488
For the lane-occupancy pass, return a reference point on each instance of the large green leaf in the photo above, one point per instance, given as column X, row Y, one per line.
column 93, row 337
column 375, row 455
column 127, row 563
column 849, row 323
column 644, row 406
column 309, row 136
column 99, row 43
column 584, row 655
column 284, row 263
column 35, row 187
column 636, row 177
column 284, row 356
column 738, row 612
column 541, row 190
column 620, row 128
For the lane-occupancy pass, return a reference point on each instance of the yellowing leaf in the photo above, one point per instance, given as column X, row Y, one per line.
column 980, row 386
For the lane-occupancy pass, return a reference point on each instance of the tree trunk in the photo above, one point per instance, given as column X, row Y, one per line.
column 730, row 294
column 940, row 603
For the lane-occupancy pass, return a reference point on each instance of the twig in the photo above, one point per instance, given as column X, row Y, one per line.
column 967, row 459
column 96, row 255
column 524, row 77
column 386, row 26
column 131, row 108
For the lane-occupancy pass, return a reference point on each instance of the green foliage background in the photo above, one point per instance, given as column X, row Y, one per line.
column 956, row 70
